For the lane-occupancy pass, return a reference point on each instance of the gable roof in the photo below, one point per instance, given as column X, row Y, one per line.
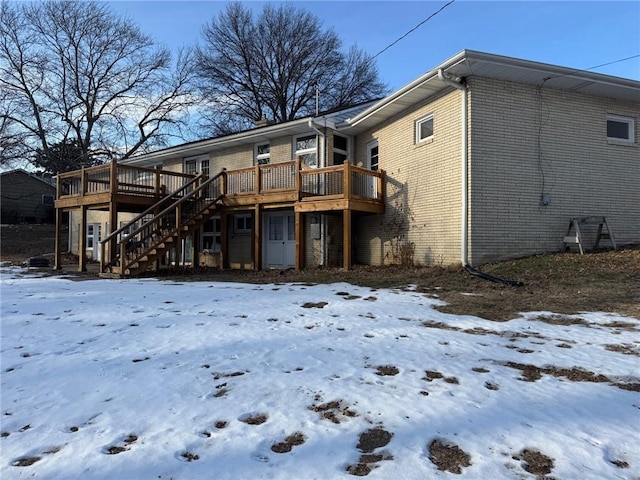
column 472, row 63
column 21, row 171
column 355, row 119
column 254, row 135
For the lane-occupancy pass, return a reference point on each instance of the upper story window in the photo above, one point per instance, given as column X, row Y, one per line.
column 47, row 200
column 262, row 154
column 372, row 155
column 196, row 165
column 340, row 149
column 424, row 129
column 306, row 147
column 620, row 129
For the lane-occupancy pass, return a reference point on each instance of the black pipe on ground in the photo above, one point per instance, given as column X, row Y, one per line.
column 491, row 278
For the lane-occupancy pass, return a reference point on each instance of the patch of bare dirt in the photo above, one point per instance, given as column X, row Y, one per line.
column 369, row 441
column 190, row 456
column 293, row 440
column 531, row 373
column 535, row 462
column 334, row 411
column 126, row 443
column 372, row 439
column 26, row 461
column 387, row 370
column 624, row 348
column 315, row 305
column 431, row 375
column 254, row 419
column 448, row 456
column 560, row 320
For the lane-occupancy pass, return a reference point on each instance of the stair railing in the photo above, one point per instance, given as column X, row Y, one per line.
column 149, row 211
column 211, row 190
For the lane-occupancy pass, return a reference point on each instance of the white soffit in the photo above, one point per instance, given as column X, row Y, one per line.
column 470, row 63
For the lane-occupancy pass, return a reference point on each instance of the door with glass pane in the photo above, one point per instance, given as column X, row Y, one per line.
column 370, row 188
column 196, row 165
column 94, row 235
column 280, row 241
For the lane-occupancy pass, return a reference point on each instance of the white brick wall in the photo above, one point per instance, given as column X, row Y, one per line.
column 522, row 136
column 422, row 187
column 518, row 135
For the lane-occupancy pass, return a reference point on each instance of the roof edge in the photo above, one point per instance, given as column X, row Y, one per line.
column 555, row 71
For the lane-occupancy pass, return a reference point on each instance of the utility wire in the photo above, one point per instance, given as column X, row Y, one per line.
column 413, row 29
column 577, row 70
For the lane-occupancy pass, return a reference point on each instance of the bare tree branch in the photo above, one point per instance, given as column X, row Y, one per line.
column 268, row 67
column 76, row 72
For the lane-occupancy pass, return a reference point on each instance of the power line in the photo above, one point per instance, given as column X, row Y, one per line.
column 413, row 29
column 577, row 70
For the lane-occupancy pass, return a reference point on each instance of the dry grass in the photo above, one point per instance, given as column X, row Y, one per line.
column 564, row 283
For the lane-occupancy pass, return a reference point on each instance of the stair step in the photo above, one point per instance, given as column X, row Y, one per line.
column 109, row 275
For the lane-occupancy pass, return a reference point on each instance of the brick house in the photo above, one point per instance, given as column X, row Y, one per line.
column 483, row 158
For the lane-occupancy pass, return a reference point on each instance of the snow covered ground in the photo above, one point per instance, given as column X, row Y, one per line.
column 148, row 379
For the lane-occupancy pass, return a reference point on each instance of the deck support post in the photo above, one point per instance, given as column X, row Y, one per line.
column 257, row 237
column 178, row 248
column 112, row 245
column 346, row 238
column 57, row 260
column 82, row 240
column 224, row 240
column 300, row 241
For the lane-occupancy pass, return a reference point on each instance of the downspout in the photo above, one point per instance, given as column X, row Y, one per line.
column 458, row 84
column 323, row 226
column 324, row 140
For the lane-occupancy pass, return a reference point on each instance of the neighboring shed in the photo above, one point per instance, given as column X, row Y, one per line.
column 26, row 198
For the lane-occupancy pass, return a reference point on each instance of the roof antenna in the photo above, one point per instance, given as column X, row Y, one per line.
column 317, row 98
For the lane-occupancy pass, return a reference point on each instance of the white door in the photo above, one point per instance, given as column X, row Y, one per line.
column 94, row 235
column 280, row 244
column 370, row 188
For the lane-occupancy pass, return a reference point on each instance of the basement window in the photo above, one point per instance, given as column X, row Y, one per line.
column 620, row 129
column 424, row 129
column 242, row 223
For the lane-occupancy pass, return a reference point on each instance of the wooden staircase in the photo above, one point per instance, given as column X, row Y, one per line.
column 141, row 243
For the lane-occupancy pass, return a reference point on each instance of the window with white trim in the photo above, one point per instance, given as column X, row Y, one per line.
column 306, row 147
column 242, row 223
column 424, row 129
column 340, row 149
column 262, row 154
column 372, row 155
column 196, row 165
column 620, row 129
column 212, row 234
column 93, row 230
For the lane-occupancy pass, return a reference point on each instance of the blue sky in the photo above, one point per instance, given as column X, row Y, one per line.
column 580, row 35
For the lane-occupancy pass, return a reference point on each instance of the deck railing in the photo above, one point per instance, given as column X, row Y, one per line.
column 346, row 181
column 342, row 180
column 120, row 178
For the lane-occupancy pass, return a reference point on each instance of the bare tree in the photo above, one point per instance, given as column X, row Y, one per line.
column 270, row 66
column 76, row 72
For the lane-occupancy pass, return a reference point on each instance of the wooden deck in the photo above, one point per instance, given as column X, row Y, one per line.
column 120, row 188
column 344, row 187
